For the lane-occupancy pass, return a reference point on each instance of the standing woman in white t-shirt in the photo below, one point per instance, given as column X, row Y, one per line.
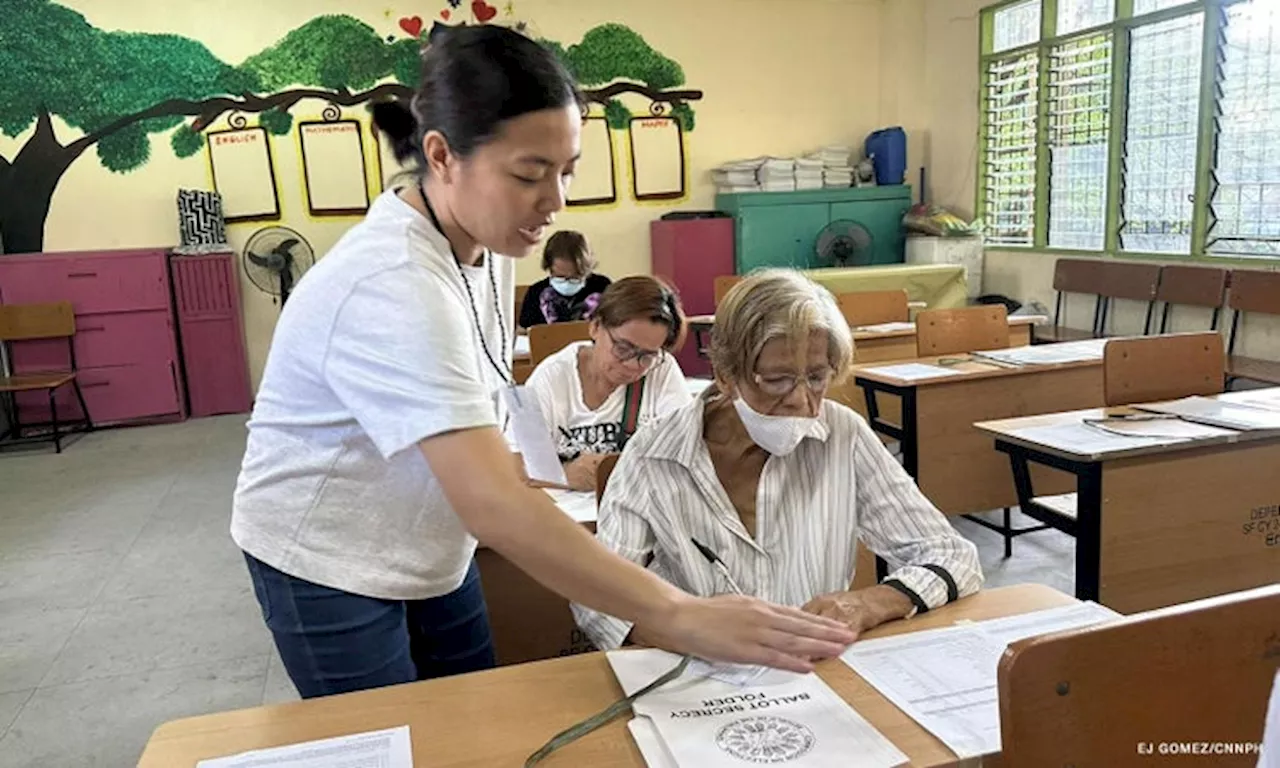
column 375, row 453
column 595, row 394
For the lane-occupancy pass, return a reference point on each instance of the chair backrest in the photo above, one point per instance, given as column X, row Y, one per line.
column 1101, row 695
column 1129, row 280
column 1148, row 368
column 1078, row 276
column 968, row 329
column 1192, row 286
column 723, row 284
column 1254, row 291
column 873, row 307
column 546, row 340
column 521, row 291
column 603, row 470
column 24, row 322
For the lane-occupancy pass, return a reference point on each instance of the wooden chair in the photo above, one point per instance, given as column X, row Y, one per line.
column 546, row 340
column 1146, row 369
column 1131, row 281
column 968, row 329
column 873, row 307
column 723, row 284
column 34, row 322
column 603, row 471
column 1198, row 672
column 521, row 291
column 1251, row 291
column 1082, row 276
column 1191, row 287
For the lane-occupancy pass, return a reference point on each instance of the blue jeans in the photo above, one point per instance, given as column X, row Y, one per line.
column 334, row 642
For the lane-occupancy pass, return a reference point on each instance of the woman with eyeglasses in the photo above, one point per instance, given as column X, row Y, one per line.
column 595, row 394
column 777, row 482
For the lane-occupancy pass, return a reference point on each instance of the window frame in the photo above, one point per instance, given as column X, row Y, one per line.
column 1122, row 23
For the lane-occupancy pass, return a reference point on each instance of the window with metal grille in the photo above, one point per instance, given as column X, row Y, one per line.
column 1160, row 138
column 1078, row 130
column 1075, row 15
column 1009, row 103
column 1244, row 211
column 1151, row 6
column 1016, row 25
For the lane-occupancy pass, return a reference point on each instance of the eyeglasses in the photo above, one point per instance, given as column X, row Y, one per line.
column 626, row 352
column 782, row 385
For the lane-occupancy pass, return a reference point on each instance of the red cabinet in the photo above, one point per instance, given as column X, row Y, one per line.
column 690, row 254
column 126, row 347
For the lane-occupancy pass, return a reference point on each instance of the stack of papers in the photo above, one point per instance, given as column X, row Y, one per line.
column 737, row 177
column 836, row 170
column 700, row 720
column 777, row 175
column 1048, row 354
column 1218, row 413
column 945, row 679
column 1086, row 440
column 809, row 173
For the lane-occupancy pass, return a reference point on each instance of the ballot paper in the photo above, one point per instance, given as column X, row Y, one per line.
column 579, row 505
column 1168, row 429
column 1085, row 440
column 945, row 679
column 886, row 327
column 1047, row 354
column 375, row 749
column 778, row 717
column 1218, row 413
column 532, row 436
column 912, row 371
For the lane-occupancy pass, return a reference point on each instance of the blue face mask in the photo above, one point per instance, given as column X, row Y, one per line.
column 567, row 286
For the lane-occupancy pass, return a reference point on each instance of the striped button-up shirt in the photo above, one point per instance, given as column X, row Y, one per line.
column 812, row 507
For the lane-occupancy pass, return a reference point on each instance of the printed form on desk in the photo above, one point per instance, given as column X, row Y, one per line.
column 912, row 371
column 376, row 749
column 728, row 715
column 945, row 679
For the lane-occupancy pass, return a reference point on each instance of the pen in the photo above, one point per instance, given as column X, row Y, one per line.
column 718, row 564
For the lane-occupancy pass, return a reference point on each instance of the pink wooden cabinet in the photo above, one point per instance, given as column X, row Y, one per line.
column 206, row 295
column 125, row 343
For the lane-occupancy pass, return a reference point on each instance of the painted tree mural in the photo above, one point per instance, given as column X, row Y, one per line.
column 119, row 88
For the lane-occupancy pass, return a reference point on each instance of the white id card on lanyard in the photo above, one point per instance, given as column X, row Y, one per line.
column 532, row 436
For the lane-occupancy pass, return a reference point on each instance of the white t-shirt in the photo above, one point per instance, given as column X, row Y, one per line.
column 376, row 350
column 578, row 429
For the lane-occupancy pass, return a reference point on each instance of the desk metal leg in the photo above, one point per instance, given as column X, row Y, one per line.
column 905, row 434
column 1089, row 532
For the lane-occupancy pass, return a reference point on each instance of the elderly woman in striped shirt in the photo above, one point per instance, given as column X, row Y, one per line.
column 776, row 482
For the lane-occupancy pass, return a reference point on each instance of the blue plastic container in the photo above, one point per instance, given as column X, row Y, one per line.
column 888, row 150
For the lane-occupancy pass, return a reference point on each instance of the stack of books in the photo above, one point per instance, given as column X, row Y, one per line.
column 836, row 170
column 777, row 174
column 737, row 177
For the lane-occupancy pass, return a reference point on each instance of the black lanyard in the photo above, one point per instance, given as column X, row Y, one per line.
column 505, row 374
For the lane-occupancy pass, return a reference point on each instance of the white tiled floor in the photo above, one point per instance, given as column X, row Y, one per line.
column 124, row 603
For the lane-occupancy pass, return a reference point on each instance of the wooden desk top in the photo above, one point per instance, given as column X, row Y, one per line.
column 970, row 370
column 499, row 717
column 1009, row 430
column 708, row 321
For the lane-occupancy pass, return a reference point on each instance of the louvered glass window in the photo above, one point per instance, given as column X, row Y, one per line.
column 1009, row 103
column 1079, row 126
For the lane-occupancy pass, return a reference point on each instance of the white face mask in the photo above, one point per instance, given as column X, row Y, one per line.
column 779, row 435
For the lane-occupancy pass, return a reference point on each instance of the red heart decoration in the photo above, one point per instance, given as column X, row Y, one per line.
column 483, row 11
column 445, row 14
column 412, row 25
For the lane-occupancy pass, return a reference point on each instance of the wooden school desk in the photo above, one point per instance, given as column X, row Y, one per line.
column 1157, row 525
column 950, row 460
column 499, row 717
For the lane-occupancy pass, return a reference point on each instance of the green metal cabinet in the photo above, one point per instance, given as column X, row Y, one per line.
column 779, row 229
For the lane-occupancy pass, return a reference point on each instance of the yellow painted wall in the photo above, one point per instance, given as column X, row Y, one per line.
column 779, row 78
